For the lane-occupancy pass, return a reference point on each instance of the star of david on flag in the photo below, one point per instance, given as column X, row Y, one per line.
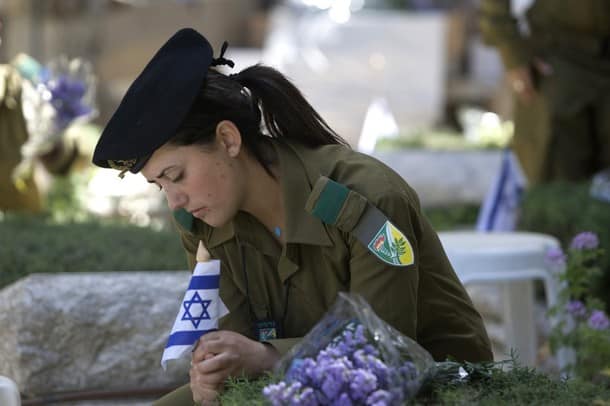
column 199, row 311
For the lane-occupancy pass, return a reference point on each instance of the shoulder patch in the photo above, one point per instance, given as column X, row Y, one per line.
column 184, row 219
column 392, row 246
column 349, row 211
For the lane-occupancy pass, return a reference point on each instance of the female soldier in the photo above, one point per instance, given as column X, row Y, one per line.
column 294, row 215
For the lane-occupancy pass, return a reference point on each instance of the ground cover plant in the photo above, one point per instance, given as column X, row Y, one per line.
column 506, row 384
column 582, row 326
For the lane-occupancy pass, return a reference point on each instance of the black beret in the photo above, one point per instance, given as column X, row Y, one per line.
column 156, row 103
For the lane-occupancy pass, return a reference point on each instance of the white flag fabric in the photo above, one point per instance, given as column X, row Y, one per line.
column 199, row 311
column 501, row 206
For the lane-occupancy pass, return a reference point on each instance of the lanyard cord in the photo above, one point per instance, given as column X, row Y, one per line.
column 243, row 267
column 250, row 308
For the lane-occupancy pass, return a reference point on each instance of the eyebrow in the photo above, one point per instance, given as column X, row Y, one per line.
column 160, row 175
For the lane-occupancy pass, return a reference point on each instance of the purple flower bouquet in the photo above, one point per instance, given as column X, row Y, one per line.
column 351, row 357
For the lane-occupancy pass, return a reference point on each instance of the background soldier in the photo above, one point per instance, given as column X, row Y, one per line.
column 559, row 70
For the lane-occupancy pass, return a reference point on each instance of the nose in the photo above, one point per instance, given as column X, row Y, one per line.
column 175, row 199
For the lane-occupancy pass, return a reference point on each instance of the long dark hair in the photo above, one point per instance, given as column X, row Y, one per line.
column 245, row 97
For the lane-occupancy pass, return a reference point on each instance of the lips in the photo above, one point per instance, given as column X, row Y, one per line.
column 199, row 212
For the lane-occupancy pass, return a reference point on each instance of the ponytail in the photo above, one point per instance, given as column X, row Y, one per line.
column 286, row 113
column 244, row 98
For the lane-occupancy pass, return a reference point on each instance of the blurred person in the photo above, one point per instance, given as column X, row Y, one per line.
column 558, row 67
column 293, row 214
column 23, row 194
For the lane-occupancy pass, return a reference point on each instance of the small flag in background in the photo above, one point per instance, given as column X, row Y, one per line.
column 501, row 206
column 200, row 309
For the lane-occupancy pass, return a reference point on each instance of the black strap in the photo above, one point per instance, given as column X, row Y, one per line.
column 221, row 60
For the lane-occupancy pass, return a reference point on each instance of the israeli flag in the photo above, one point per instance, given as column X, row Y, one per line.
column 199, row 311
column 500, row 209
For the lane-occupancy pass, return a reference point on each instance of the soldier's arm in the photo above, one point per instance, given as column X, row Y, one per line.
column 500, row 28
column 391, row 290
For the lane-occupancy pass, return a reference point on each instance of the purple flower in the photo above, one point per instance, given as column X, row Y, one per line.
column 276, row 393
column 362, row 383
column 555, row 257
column 343, row 400
column 306, row 398
column 598, row 320
column 336, row 377
column 348, row 371
column 379, row 398
column 576, row 308
column 585, row 241
column 66, row 97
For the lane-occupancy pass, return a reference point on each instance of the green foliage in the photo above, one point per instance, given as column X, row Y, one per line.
column 487, row 137
column 63, row 202
column 245, row 392
column 519, row 386
column 30, row 244
column 582, row 325
column 514, row 385
column 565, row 209
column 452, row 217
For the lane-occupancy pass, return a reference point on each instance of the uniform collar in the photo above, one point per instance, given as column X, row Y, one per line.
column 301, row 227
column 221, row 234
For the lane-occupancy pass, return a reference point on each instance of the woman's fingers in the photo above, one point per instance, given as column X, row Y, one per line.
column 222, row 363
column 210, row 343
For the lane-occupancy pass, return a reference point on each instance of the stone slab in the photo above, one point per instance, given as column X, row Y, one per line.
column 77, row 331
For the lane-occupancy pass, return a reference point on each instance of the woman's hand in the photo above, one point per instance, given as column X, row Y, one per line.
column 222, row 354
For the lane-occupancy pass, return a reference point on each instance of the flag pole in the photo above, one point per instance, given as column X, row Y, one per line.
column 203, row 255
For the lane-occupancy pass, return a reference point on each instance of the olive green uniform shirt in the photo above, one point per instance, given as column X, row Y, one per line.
column 564, row 132
column 296, row 284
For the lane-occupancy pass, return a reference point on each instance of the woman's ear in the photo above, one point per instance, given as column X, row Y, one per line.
column 229, row 137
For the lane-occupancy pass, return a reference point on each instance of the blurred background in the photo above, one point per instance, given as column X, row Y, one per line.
column 413, row 67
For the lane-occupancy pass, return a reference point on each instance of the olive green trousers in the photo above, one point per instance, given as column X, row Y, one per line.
column 564, row 132
column 179, row 397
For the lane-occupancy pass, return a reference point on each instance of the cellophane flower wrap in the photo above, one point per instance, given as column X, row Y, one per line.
column 351, row 357
column 54, row 96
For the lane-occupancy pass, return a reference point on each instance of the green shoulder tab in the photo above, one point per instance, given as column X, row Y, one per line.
column 326, row 200
column 184, row 218
column 335, row 204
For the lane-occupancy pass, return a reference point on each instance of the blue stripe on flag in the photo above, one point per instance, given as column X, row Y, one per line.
column 204, row 282
column 501, row 185
column 186, row 337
